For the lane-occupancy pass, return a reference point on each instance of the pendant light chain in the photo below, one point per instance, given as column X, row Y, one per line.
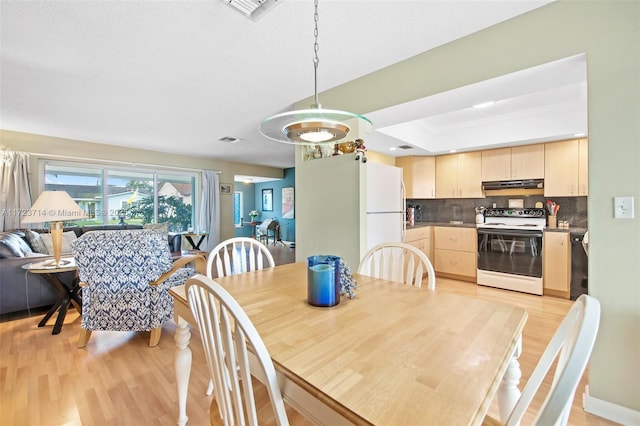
column 316, row 47
column 315, row 125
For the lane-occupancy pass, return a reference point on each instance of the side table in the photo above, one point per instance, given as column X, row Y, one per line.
column 69, row 292
column 199, row 235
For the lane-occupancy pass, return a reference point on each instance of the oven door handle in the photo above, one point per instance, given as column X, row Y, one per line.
column 509, row 232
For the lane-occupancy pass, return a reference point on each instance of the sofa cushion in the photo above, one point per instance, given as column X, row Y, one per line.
column 34, row 240
column 12, row 244
column 163, row 228
column 67, row 238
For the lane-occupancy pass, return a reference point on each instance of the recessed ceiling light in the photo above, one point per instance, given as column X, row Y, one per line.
column 393, row 148
column 483, row 104
column 453, row 151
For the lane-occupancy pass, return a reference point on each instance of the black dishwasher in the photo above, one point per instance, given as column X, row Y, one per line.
column 578, row 266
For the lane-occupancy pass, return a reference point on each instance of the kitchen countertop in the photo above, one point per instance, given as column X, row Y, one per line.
column 457, row 224
column 573, row 230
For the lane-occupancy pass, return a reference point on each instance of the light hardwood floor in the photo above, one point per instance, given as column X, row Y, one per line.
column 118, row 380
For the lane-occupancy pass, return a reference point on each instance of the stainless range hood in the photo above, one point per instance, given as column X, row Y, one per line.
column 511, row 184
column 514, row 187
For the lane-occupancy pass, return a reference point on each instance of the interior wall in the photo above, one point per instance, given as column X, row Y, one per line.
column 609, row 33
column 287, row 226
column 67, row 149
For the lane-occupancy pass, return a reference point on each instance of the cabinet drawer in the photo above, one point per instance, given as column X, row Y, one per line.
column 462, row 239
column 414, row 234
column 456, row 262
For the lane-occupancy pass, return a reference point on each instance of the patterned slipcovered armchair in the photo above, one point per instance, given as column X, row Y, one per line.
column 125, row 277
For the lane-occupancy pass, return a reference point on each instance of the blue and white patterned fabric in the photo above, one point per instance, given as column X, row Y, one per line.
column 118, row 267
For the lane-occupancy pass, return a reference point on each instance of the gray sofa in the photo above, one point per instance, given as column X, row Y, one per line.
column 20, row 290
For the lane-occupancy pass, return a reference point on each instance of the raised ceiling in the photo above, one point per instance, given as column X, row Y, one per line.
column 178, row 76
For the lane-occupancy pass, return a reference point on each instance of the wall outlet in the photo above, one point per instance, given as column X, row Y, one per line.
column 623, row 207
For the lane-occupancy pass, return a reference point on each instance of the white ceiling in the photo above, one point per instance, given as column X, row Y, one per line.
column 176, row 76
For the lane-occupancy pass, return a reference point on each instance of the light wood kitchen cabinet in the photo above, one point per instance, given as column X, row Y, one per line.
column 556, row 257
column 459, row 175
column 527, row 162
column 421, row 238
column 566, row 168
column 419, row 175
column 583, row 167
column 520, row 162
column 455, row 252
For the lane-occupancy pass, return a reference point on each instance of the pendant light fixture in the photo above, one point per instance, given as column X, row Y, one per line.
column 311, row 126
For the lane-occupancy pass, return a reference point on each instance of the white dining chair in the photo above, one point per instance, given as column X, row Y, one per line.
column 227, row 333
column 571, row 345
column 399, row 262
column 235, row 256
column 238, row 255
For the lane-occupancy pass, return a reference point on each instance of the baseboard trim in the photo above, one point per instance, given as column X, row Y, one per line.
column 608, row 410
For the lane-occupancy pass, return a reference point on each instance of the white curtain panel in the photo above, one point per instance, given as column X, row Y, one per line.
column 15, row 190
column 210, row 209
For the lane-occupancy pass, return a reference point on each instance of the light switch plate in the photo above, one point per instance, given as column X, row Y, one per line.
column 623, row 207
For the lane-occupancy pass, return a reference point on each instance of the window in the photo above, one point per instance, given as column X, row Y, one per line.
column 237, row 209
column 113, row 195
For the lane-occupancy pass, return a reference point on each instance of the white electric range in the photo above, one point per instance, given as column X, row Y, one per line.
column 510, row 249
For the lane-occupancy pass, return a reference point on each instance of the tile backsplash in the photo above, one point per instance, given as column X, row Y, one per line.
column 572, row 209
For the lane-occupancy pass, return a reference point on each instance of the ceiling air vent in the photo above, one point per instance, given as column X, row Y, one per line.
column 405, row 147
column 229, row 139
column 252, row 9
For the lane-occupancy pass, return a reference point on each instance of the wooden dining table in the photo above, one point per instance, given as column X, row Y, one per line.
column 394, row 354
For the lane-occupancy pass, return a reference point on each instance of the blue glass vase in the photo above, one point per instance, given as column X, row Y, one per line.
column 323, row 280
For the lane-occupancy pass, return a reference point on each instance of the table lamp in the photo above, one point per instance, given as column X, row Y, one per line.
column 54, row 207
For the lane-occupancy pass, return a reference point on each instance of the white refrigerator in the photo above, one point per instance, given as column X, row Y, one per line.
column 385, row 204
column 344, row 207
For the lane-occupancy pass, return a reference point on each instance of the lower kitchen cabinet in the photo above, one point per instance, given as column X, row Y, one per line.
column 556, row 267
column 455, row 252
column 421, row 239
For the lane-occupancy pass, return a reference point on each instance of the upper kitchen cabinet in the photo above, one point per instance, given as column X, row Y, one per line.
column 459, row 175
column 520, row 162
column 419, row 174
column 566, row 168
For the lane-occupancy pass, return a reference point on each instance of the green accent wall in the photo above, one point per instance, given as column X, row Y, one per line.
column 609, row 33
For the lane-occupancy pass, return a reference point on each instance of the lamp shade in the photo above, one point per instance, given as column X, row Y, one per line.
column 53, row 206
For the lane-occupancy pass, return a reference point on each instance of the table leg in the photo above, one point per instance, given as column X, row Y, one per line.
column 197, row 247
column 190, row 240
column 48, row 315
column 64, row 306
column 68, row 296
column 183, row 368
column 508, row 392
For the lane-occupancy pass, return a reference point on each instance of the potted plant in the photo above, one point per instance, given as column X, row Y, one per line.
column 253, row 214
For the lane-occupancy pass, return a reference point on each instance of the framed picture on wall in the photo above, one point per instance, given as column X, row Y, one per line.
column 267, row 200
column 226, row 188
column 288, row 203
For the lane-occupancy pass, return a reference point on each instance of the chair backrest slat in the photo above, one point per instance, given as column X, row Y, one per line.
column 226, row 333
column 571, row 345
column 398, row 262
column 238, row 255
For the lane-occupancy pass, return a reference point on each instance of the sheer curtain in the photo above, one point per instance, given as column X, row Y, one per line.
column 210, row 210
column 15, row 190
